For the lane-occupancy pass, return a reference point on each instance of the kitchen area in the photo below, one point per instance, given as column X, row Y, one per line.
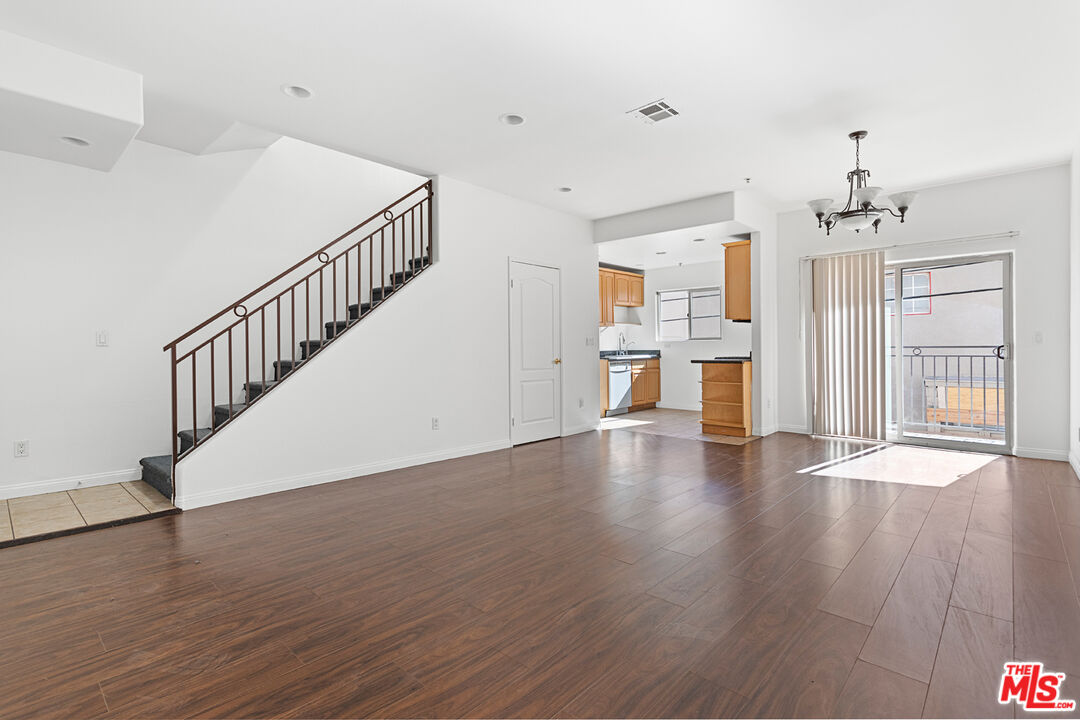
column 675, row 335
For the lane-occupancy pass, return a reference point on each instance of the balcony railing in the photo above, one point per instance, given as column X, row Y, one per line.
column 956, row 390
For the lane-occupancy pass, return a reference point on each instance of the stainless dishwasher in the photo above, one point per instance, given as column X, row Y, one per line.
column 619, row 392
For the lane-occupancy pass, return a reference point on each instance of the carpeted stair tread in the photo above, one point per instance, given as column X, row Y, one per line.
column 284, row 367
column 187, row 436
column 381, row 293
column 255, row 388
column 336, row 328
column 421, row 262
column 157, row 473
column 221, row 412
column 358, row 309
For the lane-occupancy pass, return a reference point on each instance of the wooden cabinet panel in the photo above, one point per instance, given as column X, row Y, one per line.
column 652, row 385
column 607, row 298
column 637, row 389
column 637, row 291
column 722, row 413
column 627, row 289
column 722, row 372
column 737, row 280
column 721, row 392
column 622, row 289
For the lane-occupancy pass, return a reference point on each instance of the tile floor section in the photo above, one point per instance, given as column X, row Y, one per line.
column 33, row 515
column 670, row 423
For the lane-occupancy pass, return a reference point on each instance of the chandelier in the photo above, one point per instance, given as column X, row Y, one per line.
column 860, row 211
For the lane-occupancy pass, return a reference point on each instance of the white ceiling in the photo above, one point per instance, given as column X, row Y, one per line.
column 678, row 247
column 768, row 89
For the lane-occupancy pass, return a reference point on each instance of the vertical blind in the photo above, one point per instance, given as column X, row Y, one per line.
column 849, row 345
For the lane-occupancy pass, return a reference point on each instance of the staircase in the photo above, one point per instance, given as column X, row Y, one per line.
column 222, row 367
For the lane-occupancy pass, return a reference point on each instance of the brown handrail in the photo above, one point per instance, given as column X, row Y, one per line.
column 271, row 281
column 411, row 266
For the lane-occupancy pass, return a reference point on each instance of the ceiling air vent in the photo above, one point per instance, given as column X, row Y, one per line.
column 654, row 112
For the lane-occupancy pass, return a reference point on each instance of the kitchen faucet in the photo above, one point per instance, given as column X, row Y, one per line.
column 623, row 345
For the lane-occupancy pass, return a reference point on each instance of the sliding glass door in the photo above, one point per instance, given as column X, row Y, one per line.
column 949, row 375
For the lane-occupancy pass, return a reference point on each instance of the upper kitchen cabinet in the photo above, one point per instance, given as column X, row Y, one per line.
column 629, row 289
column 607, row 298
column 619, row 289
column 737, row 281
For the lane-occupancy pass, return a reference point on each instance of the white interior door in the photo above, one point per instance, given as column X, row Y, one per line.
column 535, row 365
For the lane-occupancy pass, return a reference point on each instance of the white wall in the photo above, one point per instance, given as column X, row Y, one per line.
column 438, row 349
column 146, row 252
column 1034, row 203
column 679, row 386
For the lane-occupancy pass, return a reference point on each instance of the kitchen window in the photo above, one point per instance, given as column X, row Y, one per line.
column 691, row 314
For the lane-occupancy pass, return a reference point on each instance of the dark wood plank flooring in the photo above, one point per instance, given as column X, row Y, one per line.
column 610, row 574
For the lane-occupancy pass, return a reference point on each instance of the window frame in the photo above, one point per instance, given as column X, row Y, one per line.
column 718, row 290
column 929, row 293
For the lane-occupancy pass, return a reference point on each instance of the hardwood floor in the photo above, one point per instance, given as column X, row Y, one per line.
column 613, row 574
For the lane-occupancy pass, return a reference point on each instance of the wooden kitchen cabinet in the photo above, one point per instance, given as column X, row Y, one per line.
column 607, row 298
column 637, row 291
column 652, row 383
column 622, row 290
column 725, row 398
column 629, row 289
column 637, row 386
column 619, row 289
column 737, row 281
column 645, row 382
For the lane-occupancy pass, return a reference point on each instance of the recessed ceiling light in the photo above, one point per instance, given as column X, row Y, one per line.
column 512, row 119
column 296, row 91
column 699, row 239
column 564, row 189
column 76, row 141
column 661, row 252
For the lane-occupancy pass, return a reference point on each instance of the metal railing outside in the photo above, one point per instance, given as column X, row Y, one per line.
column 954, row 389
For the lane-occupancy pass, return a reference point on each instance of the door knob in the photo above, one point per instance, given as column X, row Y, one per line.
column 556, row 361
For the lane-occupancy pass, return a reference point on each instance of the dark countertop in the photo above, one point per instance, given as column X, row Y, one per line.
column 631, row 355
column 730, row 359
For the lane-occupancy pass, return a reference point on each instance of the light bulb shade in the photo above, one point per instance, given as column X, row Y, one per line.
column 821, row 206
column 858, row 220
column 866, row 195
column 903, row 200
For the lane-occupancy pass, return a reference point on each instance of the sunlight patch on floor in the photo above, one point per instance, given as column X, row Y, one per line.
column 614, row 423
column 911, row 465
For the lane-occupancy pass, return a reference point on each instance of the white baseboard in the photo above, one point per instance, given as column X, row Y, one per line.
column 767, row 430
column 800, row 429
column 1074, row 460
column 1041, row 453
column 578, row 429
column 213, row 497
column 74, row 482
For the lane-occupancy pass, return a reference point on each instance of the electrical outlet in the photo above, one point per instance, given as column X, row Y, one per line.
column 434, row 423
column 22, row 448
column 101, row 338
